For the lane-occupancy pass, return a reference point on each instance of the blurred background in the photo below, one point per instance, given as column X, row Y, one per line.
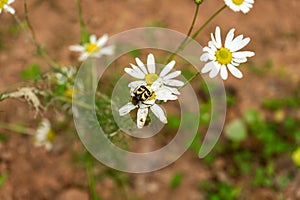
column 257, row 155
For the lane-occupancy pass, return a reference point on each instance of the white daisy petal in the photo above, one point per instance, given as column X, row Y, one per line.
column 235, row 71
column 167, row 68
column 135, row 84
column 102, row 41
column 151, row 63
column 165, row 94
column 173, row 90
column 159, row 113
column 218, row 37
column 9, row 9
column 214, row 71
column 134, row 73
column 141, row 65
column 208, row 67
column 172, row 75
column 224, row 73
column 126, row 109
column 138, row 70
column 78, row 48
column 109, row 50
column 83, row 56
column 141, row 117
column 173, row 82
column 242, row 54
column 229, row 37
column 93, row 39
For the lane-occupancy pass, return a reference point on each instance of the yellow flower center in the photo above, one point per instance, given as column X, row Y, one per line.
column 296, row 156
column 50, row 135
column 150, row 78
column 69, row 92
column 3, row 3
column 223, row 56
column 92, row 48
column 238, row 2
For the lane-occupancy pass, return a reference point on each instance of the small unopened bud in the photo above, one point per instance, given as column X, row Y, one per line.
column 198, row 1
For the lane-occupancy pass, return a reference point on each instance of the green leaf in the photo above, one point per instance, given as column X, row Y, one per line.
column 176, row 180
column 33, row 72
column 3, row 178
column 236, row 130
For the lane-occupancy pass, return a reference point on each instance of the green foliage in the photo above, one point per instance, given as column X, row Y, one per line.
column 3, row 178
column 219, row 190
column 176, row 180
column 275, row 104
column 236, row 130
column 32, row 72
column 3, row 137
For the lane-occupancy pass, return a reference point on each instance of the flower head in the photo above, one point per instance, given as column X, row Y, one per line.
column 143, row 99
column 147, row 74
column 296, row 156
column 240, row 5
column 65, row 75
column 94, row 48
column 222, row 57
column 44, row 135
column 5, row 5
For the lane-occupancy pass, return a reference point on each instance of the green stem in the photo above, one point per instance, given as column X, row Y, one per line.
column 83, row 28
column 205, row 23
column 16, row 128
column 91, row 179
column 188, row 34
column 194, row 36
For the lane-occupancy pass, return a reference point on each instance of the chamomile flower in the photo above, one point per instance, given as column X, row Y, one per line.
column 94, row 48
column 5, row 5
column 143, row 99
column 148, row 75
column 222, row 57
column 65, row 75
column 240, row 5
column 44, row 135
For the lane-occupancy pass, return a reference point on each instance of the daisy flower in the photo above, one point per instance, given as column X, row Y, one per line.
column 65, row 75
column 94, row 48
column 4, row 5
column 240, row 5
column 147, row 74
column 44, row 135
column 220, row 58
column 153, row 93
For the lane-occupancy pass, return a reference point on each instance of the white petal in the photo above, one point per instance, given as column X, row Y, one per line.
column 10, row 1
column 93, row 39
column 133, row 73
column 138, row 70
column 214, row 71
column 173, row 82
column 83, row 56
column 102, row 41
column 204, row 57
column 135, row 84
column 235, row 71
column 239, row 44
column 218, row 37
column 157, row 84
column 173, row 90
column 159, row 113
column 78, row 48
column 109, row 50
column 167, row 68
column 172, row 75
column 9, row 9
column 141, row 117
column 242, row 54
column 229, row 37
column 165, row 94
column 224, row 73
column 151, row 63
column 208, row 67
column 126, row 109
column 141, row 65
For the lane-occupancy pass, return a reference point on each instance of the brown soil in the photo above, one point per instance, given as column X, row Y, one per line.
column 34, row 174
